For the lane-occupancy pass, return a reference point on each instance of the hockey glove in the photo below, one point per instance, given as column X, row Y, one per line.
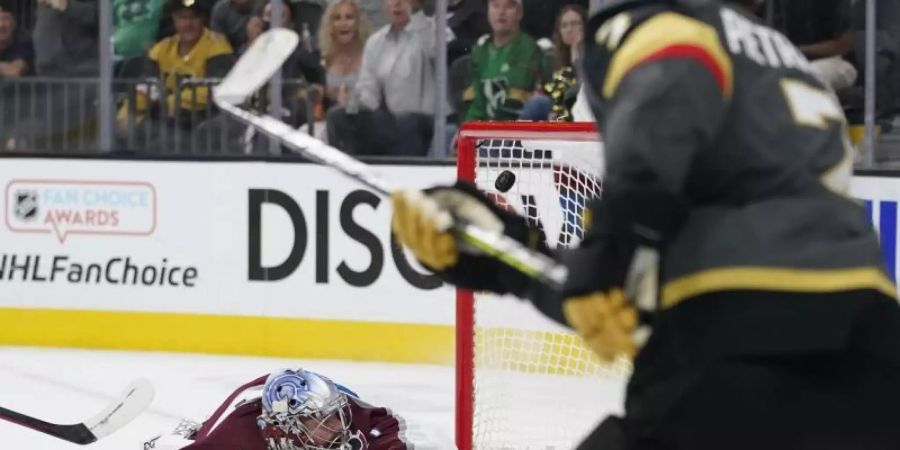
column 596, row 303
column 606, row 321
column 422, row 221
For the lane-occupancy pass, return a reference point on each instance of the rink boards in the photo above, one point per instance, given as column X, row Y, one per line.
column 222, row 257
column 258, row 258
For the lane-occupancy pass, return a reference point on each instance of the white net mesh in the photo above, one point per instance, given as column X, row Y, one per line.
column 536, row 385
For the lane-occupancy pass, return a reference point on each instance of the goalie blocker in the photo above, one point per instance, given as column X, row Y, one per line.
column 776, row 324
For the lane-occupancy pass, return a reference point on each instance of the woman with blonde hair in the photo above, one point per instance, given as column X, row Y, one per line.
column 342, row 37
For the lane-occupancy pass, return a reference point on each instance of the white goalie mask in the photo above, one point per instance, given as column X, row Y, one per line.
column 302, row 410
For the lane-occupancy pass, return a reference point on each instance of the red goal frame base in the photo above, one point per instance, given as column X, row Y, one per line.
column 467, row 140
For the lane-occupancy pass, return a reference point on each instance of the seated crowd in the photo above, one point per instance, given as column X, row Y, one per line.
column 363, row 77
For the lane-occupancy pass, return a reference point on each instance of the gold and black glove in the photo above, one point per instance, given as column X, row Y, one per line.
column 422, row 222
column 606, row 321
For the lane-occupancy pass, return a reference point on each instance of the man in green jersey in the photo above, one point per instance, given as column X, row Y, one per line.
column 506, row 66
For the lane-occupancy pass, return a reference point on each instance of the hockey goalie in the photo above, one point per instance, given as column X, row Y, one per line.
column 289, row 410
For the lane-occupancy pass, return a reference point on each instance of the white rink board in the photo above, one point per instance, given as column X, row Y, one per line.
column 194, row 219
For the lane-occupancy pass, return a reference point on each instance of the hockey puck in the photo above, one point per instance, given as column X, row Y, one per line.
column 505, row 181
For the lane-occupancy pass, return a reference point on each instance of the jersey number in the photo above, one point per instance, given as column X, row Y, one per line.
column 811, row 106
column 814, row 107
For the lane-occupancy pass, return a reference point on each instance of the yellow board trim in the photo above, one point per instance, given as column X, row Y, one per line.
column 661, row 31
column 234, row 335
column 775, row 279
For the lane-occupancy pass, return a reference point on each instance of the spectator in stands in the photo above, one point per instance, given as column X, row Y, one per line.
column 16, row 50
column 60, row 115
column 65, row 38
column 194, row 52
column 506, row 66
column 342, row 36
column 390, row 111
column 822, row 30
column 307, row 19
column 303, row 65
column 467, row 21
column 230, row 18
column 16, row 60
column 537, row 13
column 135, row 24
column 558, row 93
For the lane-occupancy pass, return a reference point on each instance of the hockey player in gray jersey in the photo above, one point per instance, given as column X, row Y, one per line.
column 776, row 325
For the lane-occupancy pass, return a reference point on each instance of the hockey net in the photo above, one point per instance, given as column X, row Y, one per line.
column 523, row 381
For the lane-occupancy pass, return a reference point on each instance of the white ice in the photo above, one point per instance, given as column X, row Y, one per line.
column 68, row 386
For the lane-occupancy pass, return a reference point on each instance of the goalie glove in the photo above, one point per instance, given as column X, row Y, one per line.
column 422, row 221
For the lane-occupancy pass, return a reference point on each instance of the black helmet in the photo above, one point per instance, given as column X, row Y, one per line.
column 194, row 5
column 612, row 7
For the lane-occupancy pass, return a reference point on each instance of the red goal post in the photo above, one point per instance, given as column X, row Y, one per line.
column 503, row 347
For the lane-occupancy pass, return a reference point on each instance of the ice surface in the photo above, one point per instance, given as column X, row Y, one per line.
column 68, row 386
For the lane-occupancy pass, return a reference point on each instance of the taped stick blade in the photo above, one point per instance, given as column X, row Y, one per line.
column 256, row 66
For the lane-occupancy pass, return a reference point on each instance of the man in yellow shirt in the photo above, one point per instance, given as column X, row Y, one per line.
column 192, row 52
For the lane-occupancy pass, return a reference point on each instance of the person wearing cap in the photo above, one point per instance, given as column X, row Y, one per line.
column 193, row 51
column 506, row 66
column 65, row 38
column 16, row 51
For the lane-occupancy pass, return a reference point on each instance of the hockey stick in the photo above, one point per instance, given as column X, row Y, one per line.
column 117, row 414
column 254, row 68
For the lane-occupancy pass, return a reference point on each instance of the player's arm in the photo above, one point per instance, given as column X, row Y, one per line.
column 660, row 88
column 378, row 427
column 367, row 88
column 841, row 41
column 659, row 91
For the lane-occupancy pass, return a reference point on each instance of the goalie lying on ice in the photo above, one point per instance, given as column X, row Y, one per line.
column 289, row 410
column 776, row 324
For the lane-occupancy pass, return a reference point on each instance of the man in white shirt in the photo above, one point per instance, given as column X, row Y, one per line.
column 392, row 107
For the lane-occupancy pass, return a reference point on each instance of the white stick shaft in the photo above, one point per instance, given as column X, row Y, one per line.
column 262, row 60
column 312, row 148
column 508, row 250
column 130, row 404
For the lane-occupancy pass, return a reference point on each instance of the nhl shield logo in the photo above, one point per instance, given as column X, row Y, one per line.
column 26, row 208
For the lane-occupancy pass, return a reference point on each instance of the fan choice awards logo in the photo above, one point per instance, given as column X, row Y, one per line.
column 70, row 207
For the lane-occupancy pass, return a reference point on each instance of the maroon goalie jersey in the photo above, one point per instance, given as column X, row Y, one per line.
column 233, row 425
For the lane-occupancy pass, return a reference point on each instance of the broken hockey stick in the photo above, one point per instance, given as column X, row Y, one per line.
column 117, row 414
column 254, row 68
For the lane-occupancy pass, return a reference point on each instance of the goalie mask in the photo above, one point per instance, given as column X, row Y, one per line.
column 302, row 410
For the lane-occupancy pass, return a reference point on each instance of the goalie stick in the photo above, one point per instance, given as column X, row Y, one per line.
column 125, row 408
column 254, row 68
